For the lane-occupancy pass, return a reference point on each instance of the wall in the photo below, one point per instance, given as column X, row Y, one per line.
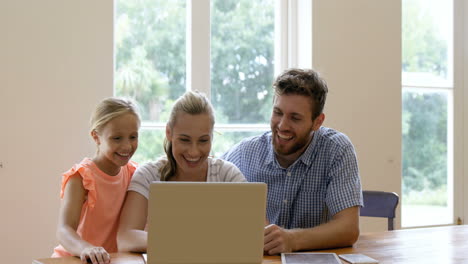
column 357, row 49
column 56, row 64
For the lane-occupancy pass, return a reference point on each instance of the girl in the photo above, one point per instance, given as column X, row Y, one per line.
column 189, row 133
column 93, row 191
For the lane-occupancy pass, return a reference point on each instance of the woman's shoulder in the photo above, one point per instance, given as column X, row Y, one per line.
column 151, row 169
column 156, row 164
column 219, row 163
column 224, row 170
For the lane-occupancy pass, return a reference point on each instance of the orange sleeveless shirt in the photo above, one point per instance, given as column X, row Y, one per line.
column 100, row 213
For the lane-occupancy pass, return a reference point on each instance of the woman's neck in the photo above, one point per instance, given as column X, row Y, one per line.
column 199, row 174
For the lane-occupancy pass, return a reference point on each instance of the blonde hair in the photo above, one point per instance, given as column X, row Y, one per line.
column 193, row 103
column 111, row 108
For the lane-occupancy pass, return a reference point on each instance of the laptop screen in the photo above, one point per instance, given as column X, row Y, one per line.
column 206, row 222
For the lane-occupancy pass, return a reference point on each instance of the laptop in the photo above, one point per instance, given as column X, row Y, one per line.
column 206, row 222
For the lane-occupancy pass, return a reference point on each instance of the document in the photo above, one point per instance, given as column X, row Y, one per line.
column 303, row 258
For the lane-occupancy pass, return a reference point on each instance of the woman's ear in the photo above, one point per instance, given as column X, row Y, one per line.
column 95, row 137
column 168, row 133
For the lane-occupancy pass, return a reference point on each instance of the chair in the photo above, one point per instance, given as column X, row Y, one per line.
column 380, row 204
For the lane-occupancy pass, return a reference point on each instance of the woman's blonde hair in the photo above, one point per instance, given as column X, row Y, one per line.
column 193, row 103
column 111, row 108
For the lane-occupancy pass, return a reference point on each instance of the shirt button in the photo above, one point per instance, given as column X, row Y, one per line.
column 289, row 173
column 285, row 201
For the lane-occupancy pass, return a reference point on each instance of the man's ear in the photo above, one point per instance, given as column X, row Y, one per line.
column 318, row 121
column 95, row 137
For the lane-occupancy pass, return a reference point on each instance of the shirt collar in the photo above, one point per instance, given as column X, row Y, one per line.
column 305, row 158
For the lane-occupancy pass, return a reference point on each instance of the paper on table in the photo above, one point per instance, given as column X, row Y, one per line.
column 316, row 258
column 358, row 259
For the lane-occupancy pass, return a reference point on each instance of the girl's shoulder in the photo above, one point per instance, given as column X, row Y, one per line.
column 131, row 167
column 84, row 170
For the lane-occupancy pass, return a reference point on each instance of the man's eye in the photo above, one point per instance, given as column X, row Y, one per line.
column 116, row 138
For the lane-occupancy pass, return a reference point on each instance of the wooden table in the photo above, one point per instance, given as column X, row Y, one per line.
column 411, row 246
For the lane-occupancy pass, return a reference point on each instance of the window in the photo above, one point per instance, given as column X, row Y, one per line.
column 427, row 121
column 162, row 50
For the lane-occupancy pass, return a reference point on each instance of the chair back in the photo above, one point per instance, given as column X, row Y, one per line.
column 380, row 204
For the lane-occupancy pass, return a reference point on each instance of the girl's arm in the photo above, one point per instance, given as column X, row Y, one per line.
column 132, row 235
column 69, row 218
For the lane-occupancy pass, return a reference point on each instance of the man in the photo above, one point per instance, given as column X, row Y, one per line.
column 314, row 190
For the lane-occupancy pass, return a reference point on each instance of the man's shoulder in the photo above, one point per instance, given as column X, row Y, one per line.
column 247, row 148
column 259, row 141
column 334, row 137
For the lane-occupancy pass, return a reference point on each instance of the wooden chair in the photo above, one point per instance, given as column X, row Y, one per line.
column 380, row 204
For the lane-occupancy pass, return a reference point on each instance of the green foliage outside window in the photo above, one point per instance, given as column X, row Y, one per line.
column 150, row 64
column 424, row 119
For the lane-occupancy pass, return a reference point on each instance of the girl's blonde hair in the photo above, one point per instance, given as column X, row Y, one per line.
column 111, row 108
column 192, row 103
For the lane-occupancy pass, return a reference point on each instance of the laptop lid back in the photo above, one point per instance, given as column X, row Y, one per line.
column 206, row 222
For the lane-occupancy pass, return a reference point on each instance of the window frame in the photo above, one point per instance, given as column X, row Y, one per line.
column 293, row 48
column 456, row 116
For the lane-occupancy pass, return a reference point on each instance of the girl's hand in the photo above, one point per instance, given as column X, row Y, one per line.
column 97, row 255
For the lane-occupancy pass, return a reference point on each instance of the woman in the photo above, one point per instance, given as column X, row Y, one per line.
column 189, row 134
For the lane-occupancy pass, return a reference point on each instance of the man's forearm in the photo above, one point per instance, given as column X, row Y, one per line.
column 328, row 235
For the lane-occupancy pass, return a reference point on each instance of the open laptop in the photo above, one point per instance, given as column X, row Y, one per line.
column 206, row 222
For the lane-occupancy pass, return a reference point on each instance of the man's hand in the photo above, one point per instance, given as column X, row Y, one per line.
column 277, row 240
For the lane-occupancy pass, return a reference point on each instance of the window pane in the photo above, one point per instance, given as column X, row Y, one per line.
column 222, row 142
column 150, row 145
column 426, row 199
column 427, row 42
column 150, row 54
column 242, row 55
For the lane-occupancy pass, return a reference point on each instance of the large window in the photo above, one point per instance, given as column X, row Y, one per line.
column 427, row 101
column 162, row 50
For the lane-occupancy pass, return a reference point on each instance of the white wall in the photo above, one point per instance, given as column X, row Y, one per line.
column 357, row 48
column 56, row 64
column 56, row 57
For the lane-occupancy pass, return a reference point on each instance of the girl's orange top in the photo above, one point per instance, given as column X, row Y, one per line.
column 100, row 213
